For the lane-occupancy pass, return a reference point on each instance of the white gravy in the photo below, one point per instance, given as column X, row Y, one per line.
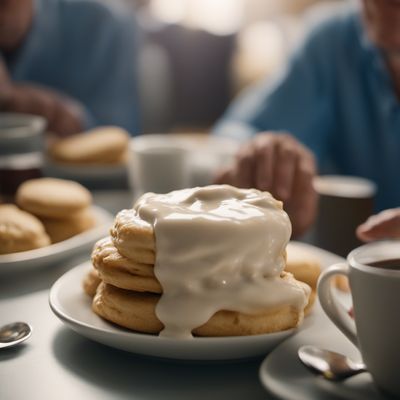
column 217, row 248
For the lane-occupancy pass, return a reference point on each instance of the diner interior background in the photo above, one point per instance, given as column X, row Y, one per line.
column 198, row 54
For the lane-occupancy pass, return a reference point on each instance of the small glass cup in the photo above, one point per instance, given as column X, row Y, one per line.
column 21, row 146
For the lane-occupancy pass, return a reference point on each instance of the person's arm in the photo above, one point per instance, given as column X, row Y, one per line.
column 64, row 116
column 384, row 225
column 5, row 84
column 299, row 102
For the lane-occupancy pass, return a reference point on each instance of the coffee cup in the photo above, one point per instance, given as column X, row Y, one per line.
column 344, row 203
column 165, row 162
column 158, row 164
column 374, row 276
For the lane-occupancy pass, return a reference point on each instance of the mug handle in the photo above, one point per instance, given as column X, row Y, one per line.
column 333, row 309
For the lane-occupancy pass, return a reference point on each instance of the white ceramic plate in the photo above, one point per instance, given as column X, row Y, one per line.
column 285, row 377
column 73, row 306
column 37, row 258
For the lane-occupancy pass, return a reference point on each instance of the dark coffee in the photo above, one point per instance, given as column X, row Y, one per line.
column 393, row 263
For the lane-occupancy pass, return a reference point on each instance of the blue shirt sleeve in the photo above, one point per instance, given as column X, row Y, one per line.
column 299, row 101
column 87, row 50
column 108, row 79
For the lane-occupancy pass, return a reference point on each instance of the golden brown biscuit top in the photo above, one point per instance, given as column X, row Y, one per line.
column 103, row 144
column 16, row 222
column 40, row 195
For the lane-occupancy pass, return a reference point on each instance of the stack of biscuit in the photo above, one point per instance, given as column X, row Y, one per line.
column 126, row 291
column 103, row 145
column 62, row 206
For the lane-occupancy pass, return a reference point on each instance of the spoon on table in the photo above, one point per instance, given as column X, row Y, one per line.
column 14, row 333
column 332, row 366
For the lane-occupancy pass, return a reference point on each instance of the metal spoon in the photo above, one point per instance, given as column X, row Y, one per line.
column 14, row 333
column 332, row 366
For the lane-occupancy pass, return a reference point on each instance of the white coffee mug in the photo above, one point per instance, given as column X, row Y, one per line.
column 374, row 275
column 158, row 164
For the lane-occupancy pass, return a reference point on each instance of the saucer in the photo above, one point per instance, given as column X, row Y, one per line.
column 282, row 373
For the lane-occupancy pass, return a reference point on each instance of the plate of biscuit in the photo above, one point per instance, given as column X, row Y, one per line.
column 99, row 154
column 74, row 308
column 196, row 274
column 51, row 220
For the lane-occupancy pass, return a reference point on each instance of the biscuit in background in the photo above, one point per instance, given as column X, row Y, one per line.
column 20, row 231
column 306, row 268
column 53, row 198
column 103, row 145
column 60, row 229
column 303, row 265
column 342, row 283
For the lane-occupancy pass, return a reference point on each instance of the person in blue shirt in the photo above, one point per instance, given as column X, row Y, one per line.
column 338, row 102
column 71, row 61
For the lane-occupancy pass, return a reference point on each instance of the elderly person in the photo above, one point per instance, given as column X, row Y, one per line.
column 72, row 62
column 338, row 103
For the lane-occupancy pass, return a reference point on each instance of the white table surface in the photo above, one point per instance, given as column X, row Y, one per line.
column 57, row 363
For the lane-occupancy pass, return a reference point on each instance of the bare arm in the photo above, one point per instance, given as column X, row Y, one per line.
column 64, row 116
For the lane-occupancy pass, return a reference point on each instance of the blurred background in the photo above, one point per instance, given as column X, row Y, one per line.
column 193, row 58
column 198, row 54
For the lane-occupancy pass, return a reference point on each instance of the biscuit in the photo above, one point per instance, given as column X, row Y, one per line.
column 305, row 268
column 342, row 283
column 52, row 198
column 133, row 237
column 20, row 231
column 91, row 282
column 129, row 292
column 311, row 301
column 60, row 229
column 119, row 271
column 136, row 311
column 104, row 145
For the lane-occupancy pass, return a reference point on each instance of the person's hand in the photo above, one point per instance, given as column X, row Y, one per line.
column 64, row 116
column 385, row 225
column 278, row 163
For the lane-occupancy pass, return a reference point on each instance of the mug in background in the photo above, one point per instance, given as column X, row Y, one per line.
column 374, row 275
column 345, row 202
column 164, row 162
column 158, row 164
column 21, row 146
